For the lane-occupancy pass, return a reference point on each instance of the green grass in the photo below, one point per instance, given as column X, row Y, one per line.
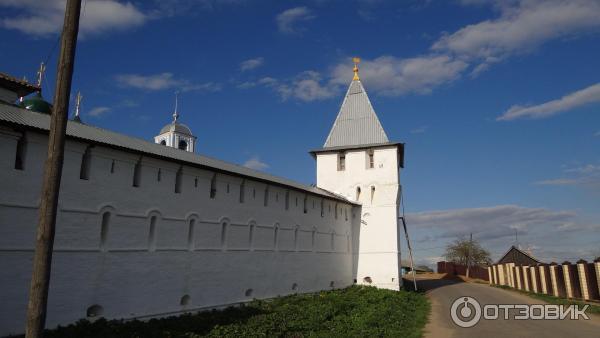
column 554, row 300
column 357, row 311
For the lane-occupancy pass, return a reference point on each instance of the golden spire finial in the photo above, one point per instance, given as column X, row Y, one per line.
column 356, row 61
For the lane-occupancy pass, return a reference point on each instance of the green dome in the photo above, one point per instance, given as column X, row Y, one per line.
column 37, row 103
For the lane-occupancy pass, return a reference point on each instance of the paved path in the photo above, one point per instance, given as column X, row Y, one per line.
column 442, row 294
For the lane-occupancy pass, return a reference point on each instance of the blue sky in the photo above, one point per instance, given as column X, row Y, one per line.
column 497, row 101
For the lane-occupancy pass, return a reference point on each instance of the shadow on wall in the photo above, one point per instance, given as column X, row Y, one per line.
column 356, row 225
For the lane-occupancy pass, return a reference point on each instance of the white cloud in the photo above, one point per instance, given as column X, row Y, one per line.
column 307, row 86
column 42, row 18
column 587, row 176
column 255, row 163
column 251, row 64
column 522, row 26
column 393, row 76
column 98, row 111
column 489, row 222
column 419, row 130
column 558, row 181
column 163, row 81
column 551, row 234
column 288, row 21
column 573, row 100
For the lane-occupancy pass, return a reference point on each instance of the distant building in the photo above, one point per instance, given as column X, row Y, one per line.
column 518, row 257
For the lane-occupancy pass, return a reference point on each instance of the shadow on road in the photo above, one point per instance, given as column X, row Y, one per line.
column 429, row 284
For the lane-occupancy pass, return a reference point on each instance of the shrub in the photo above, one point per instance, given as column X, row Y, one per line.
column 354, row 311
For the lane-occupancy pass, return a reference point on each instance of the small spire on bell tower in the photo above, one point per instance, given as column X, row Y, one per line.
column 78, row 99
column 176, row 113
column 40, row 74
column 356, row 61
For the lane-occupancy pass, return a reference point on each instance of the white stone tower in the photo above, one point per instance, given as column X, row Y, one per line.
column 176, row 135
column 359, row 162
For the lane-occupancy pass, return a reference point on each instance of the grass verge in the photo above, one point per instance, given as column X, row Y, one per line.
column 593, row 308
column 357, row 311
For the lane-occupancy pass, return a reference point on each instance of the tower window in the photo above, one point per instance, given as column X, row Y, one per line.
column 163, row 142
column 84, row 172
column 20, row 156
column 182, row 145
column 357, row 193
column 341, row 162
column 370, row 159
column 112, row 167
column 372, row 193
column 178, row 178
column 336, row 211
column 213, row 186
column 196, row 182
column 159, row 175
column 137, row 173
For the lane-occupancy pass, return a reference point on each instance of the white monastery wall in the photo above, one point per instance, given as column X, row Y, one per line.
column 151, row 251
column 378, row 253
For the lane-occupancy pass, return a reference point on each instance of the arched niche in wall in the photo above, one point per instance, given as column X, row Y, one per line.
column 296, row 231
column 251, row 232
column 192, row 220
column 94, row 311
column 107, row 216
column 332, row 239
column 154, row 218
column 276, row 236
column 185, row 300
column 224, row 222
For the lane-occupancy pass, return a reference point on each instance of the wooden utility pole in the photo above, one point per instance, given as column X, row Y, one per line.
column 42, row 259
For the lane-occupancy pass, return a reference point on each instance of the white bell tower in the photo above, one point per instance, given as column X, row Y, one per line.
column 359, row 162
column 175, row 134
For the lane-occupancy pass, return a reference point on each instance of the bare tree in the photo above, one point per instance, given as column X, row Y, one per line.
column 467, row 252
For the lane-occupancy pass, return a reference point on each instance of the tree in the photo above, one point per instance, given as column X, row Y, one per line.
column 467, row 252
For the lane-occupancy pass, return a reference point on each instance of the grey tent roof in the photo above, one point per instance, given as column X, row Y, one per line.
column 356, row 123
column 19, row 117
